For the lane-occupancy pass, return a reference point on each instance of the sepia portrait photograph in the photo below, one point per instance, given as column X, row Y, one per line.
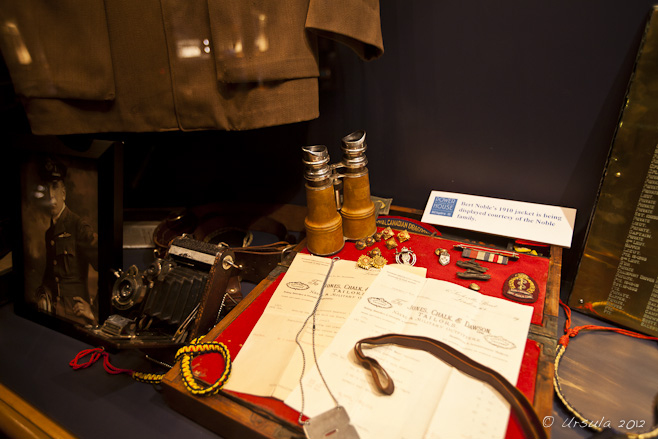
column 59, row 215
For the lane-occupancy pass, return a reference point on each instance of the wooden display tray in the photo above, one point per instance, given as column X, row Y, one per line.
column 234, row 415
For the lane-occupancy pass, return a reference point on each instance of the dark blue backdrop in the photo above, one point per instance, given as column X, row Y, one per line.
column 515, row 99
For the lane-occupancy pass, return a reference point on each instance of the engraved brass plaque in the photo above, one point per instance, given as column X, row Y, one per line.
column 618, row 272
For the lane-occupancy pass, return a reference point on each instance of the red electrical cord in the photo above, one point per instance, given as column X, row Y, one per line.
column 94, row 354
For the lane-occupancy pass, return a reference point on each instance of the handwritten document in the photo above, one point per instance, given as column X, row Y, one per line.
column 272, row 340
column 431, row 400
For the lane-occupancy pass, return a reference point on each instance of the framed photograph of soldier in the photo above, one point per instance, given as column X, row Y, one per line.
column 69, row 226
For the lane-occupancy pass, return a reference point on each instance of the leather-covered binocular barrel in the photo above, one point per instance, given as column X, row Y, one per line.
column 358, row 210
column 326, row 228
column 323, row 223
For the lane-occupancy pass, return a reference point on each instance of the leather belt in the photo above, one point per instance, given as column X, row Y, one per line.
column 521, row 407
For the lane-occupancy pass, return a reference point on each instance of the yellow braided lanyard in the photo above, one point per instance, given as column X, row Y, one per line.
column 185, row 355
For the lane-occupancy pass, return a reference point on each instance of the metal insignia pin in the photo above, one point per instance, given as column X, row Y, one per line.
column 364, row 262
column 387, row 233
column 404, row 236
column 378, row 261
column 405, row 256
column 375, row 252
column 444, row 256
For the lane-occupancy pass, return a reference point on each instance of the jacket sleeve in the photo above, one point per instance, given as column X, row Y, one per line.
column 355, row 23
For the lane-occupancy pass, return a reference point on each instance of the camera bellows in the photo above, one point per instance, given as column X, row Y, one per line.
column 176, row 295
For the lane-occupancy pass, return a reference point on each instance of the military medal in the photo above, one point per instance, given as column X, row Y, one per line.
column 521, row 288
column 487, row 254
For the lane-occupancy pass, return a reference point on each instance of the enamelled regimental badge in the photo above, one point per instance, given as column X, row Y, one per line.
column 521, row 288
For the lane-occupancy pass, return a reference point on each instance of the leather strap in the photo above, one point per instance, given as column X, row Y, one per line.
column 215, row 223
column 211, row 298
column 256, row 262
column 522, row 408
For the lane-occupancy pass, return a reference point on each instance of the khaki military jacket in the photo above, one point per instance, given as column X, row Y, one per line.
column 87, row 66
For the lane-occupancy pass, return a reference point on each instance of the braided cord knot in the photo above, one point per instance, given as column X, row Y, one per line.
column 187, row 353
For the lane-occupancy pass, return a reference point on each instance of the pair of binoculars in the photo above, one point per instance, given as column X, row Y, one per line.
column 337, row 196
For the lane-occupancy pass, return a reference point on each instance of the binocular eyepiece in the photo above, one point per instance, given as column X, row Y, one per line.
column 316, row 165
column 329, row 192
column 354, row 148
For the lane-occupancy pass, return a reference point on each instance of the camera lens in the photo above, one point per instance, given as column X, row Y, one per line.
column 154, row 269
column 126, row 289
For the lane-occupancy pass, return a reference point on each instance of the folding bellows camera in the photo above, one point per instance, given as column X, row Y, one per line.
column 178, row 297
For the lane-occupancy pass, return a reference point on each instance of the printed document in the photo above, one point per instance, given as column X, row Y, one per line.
column 431, row 400
column 272, row 340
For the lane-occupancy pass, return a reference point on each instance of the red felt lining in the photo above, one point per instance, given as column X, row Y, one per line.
column 209, row 367
column 423, row 246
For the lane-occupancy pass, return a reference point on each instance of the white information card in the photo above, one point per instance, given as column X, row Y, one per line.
column 516, row 219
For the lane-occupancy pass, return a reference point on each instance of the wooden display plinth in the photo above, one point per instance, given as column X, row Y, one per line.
column 234, row 415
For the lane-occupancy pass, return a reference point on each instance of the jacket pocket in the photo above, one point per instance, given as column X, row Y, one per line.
column 262, row 40
column 58, row 49
column 65, row 255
